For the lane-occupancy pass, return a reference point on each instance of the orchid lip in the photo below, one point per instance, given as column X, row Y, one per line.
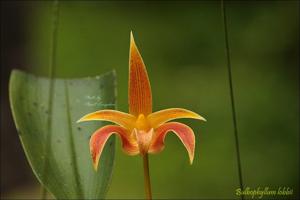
column 143, row 139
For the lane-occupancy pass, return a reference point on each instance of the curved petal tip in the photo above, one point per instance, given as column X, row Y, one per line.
column 184, row 133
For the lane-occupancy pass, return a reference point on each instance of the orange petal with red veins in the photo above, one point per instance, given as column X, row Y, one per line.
column 123, row 119
column 100, row 137
column 185, row 134
column 162, row 116
column 139, row 92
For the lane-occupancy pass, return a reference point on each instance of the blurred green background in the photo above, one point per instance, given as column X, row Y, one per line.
column 182, row 43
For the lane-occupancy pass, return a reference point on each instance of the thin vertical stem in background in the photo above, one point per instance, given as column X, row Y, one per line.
column 147, row 177
column 52, row 66
column 237, row 147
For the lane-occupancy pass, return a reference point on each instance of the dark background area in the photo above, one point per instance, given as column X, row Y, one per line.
column 15, row 170
column 182, row 43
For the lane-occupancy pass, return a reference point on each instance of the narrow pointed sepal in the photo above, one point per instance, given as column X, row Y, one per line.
column 123, row 119
column 100, row 137
column 162, row 116
column 185, row 134
column 139, row 92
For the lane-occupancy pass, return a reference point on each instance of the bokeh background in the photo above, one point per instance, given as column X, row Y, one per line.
column 182, row 43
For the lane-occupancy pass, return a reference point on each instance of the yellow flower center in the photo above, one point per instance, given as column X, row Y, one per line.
column 143, row 133
column 142, row 123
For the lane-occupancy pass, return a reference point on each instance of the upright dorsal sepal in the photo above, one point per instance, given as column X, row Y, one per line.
column 139, row 90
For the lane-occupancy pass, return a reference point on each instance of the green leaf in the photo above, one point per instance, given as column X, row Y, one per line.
column 45, row 113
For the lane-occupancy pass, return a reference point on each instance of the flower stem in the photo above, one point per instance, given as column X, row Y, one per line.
column 147, row 177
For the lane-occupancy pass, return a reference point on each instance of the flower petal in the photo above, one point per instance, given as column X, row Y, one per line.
column 100, row 137
column 185, row 134
column 162, row 116
column 143, row 139
column 139, row 92
column 123, row 119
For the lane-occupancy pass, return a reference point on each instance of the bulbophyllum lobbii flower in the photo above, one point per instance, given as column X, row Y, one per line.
column 141, row 130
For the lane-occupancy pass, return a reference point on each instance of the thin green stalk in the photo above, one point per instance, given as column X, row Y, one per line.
column 147, row 177
column 237, row 146
column 52, row 66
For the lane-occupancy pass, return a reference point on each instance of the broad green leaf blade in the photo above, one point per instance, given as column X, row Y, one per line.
column 65, row 168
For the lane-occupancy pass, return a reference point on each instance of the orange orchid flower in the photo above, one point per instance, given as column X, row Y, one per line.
column 140, row 130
